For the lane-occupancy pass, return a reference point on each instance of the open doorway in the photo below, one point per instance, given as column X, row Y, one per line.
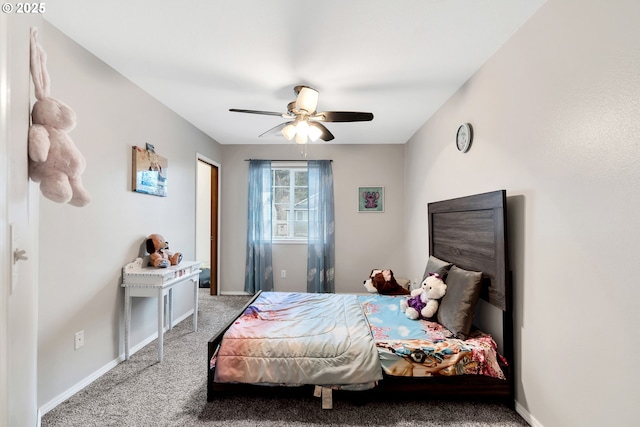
column 207, row 222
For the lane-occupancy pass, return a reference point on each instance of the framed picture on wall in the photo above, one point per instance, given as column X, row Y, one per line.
column 371, row 199
column 149, row 173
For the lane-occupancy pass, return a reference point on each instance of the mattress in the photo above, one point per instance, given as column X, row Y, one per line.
column 289, row 338
column 419, row 348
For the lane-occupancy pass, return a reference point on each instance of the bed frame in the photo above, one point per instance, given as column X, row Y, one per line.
column 470, row 232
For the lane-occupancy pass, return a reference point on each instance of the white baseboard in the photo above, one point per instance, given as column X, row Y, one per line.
column 527, row 416
column 50, row 405
column 234, row 293
column 78, row 387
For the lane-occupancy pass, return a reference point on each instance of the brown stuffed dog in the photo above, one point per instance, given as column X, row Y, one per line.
column 159, row 249
column 383, row 282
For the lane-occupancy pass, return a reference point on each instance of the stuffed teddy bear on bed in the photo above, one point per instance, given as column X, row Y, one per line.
column 54, row 160
column 383, row 282
column 424, row 301
column 159, row 249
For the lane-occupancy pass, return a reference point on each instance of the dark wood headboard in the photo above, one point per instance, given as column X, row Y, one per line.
column 471, row 233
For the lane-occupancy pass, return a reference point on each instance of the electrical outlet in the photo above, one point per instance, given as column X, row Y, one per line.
column 79, row 339
column 283, row 273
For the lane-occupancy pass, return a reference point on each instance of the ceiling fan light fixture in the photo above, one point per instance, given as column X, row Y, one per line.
column 301, row 139
column 302, row 128
column 307, row 99
column 289, row 131
column 314, row 132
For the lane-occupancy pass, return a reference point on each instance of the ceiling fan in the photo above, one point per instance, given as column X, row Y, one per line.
column 304, row 121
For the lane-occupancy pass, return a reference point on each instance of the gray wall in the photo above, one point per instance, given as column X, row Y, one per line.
column 85, row 248
column 363, row 240
column 555, row 113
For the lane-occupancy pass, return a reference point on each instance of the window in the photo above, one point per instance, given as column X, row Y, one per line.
column 290, row 205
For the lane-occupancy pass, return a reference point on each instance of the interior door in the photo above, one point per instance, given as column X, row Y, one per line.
column 213, row 239
column 207, row 233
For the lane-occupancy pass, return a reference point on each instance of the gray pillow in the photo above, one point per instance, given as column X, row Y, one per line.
column 458, row 305
column 438, row 266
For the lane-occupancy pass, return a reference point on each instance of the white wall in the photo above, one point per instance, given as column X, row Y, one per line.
column 556, row 118
column 85, row 248
column 19, row 207
column 363, row 240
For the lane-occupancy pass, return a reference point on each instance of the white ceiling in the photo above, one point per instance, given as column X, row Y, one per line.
column 400, row 59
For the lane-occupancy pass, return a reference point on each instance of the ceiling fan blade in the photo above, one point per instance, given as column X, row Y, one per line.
column 268, row 113
column 307, row 99
column 343, row 116
column 274, row 130
column 326, row 135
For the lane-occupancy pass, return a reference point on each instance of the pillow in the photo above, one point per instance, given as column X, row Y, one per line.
column 458, row 305
column 438, row 266
column 405, row 283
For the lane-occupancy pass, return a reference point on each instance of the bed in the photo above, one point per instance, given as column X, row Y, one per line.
column 357, row 348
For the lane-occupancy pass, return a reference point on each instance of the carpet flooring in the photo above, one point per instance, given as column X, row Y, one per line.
column 143, row 392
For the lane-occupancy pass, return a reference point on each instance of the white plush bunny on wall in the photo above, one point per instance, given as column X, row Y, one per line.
column 54, row 160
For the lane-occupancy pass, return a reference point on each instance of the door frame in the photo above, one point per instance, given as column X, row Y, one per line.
column 214, row 165
column 5, row 277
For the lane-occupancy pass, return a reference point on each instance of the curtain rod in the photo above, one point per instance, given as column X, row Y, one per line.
column 288, row 160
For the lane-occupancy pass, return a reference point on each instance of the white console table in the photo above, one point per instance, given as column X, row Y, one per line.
column 143, row 281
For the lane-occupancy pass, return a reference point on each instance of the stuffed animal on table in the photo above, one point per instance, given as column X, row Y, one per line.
column 54, row 160
column 424, row 301
column 383, row 282
column 159, row 249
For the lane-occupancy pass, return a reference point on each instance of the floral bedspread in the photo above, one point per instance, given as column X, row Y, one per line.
column 419, row 348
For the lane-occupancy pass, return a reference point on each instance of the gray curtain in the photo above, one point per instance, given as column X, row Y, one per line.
column 321, row 245
column 259, row 265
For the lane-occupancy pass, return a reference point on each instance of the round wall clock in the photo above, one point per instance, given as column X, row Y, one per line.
column 464, row 137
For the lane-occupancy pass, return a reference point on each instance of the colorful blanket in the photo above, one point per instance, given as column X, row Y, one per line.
column 419, row 348
column 289, row 338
